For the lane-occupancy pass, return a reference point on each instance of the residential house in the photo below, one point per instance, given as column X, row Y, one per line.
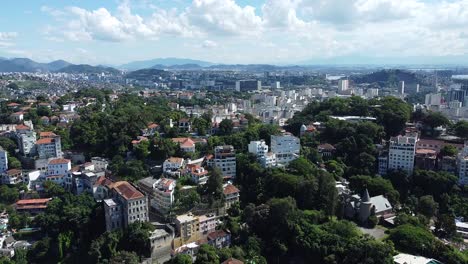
column 326, row 150
column 185, row 125
column 231, row 194
column 13, row 176
column 163, row 190
column 173, row 166
column 185, row 144
column 32, row 206
column 197, row 173
column 219, row 239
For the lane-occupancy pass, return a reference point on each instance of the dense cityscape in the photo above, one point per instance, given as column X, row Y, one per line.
column 305, row 132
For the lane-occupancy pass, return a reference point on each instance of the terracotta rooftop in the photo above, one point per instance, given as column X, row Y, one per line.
column 22, row 127
column 232, row 261
column 33, row 201
column 326, row 146
column 175, row 160
column 230, row 189
column 216, row 234
column 45, row 141
column 126, row 190
column 13, row 104
column 13, row 172
column 59, row 161
column 152, row 125
column 103, row 181
column 46, row 134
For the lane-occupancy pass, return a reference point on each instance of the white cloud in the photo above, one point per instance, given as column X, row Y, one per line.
column 6, row 36
column 223, row 17
column 209, row 44
column 6, row 39
column 317, row 28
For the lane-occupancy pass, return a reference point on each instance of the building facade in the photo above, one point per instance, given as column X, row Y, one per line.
column 401, row 153
column 225, row 160
column 286, row 147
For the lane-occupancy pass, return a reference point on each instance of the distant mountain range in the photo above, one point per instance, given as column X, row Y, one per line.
column 162, row 62
column 28, row 65
column 85, row 68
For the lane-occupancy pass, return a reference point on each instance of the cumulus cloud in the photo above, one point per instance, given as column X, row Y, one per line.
column 317, row 27
column 209, row 44
column 223, row 17
column 6, row 39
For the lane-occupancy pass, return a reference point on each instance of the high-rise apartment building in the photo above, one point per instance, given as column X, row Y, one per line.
column 248, row 85
column 286, row 147
column 401, row 153
column 3, row 160
column 343, row 85
column 462, row 165
column 225, row 160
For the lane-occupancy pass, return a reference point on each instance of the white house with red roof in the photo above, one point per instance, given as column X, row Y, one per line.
column 231, row 194
column 173, row 166
column 185, row 144
column 163, row 190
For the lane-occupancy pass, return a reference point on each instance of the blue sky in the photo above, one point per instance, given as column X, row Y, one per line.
column 236, row 31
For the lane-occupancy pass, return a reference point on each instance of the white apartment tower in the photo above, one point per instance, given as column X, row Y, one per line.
column 401, row 87
column 462, row 166
column 225, row 160
column 286, row 147
column 3, row 160
column 258, row 148
column 401, row 153
column 343, row 85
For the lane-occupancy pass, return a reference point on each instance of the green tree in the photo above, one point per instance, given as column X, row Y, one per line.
column 225, row 127
column 436, row 119
column 52, row 189
column 214, row 186
column 393, row 114
column 181, row 259
column 142, row 150
column 207, row 255
column 461, row 129
column 8, row 145
column 427, row 206
column 448, row 150
column 125, row 257
column 13, row 163
column 413, row 239
column 44, row 111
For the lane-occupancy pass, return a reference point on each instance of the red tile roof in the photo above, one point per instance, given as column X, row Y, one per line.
column 13, row 104
column 230, row 189
column 216, row 234
column 45, row 141
column 232, row 261
column 13, row 172
column 59, row 161
column 126, row 190
column 33, row 201
column 22, row 127
column 47, row 134
column 103, row 181
column 152, row 125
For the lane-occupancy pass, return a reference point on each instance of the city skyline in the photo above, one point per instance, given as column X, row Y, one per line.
column 228, row 31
